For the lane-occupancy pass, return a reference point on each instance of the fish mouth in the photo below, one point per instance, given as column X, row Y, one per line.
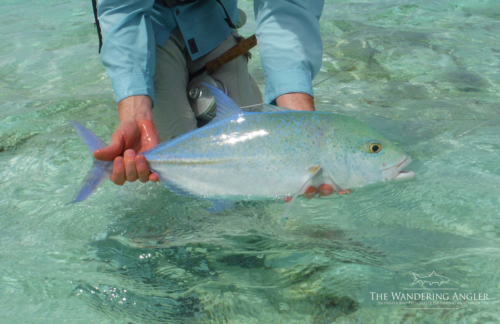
column 396, row 172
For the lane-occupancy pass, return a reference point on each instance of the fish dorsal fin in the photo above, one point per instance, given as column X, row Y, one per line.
column 226, row 107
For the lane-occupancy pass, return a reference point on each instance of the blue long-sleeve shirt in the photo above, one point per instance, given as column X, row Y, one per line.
column 288, row 37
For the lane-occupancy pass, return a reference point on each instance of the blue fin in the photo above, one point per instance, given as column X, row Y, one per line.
column 226, row 107
column 100, row 170
column 91, row 141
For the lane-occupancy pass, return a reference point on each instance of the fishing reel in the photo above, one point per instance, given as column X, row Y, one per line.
column 201, row 99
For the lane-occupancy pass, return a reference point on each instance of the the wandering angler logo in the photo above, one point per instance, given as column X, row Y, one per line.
column 431, row 279
column 426, row 293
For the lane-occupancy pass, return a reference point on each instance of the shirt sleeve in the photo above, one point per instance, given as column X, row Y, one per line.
column 290, row 44
column 128, row 50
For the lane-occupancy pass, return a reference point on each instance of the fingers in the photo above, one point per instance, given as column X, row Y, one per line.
column 109, row 152
column 132, row 135
column 322, row 191
column 114, row 149
column 124, row 137
column 310, row 192
column 344, row 192
column 154, row 177
column 118, row 174
column 130, row 168
column 142, row 168
column 325, row 190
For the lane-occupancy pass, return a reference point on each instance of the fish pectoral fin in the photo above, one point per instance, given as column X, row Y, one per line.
column 314, row 169
column 312, row 173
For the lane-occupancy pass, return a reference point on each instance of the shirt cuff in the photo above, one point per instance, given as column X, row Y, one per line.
column 283, row 82
column 133, row 84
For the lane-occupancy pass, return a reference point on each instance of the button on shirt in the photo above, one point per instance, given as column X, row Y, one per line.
column 288, row 35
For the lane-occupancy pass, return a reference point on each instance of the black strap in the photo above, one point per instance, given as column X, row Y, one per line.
column 94, row 6
column 227, row 19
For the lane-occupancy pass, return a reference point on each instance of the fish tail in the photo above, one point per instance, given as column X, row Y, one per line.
column 417, row 278
column 100, row 170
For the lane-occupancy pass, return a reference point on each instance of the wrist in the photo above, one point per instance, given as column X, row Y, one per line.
column 135, row 107
column 296, row 101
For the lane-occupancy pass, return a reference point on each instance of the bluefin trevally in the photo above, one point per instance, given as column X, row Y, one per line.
column 261, row 155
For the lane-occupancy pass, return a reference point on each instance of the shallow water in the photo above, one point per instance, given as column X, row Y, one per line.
column 141, row 254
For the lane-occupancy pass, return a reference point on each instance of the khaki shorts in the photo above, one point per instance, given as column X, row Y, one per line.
column 172, row 114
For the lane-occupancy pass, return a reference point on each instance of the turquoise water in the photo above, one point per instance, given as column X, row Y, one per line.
column 140, row 254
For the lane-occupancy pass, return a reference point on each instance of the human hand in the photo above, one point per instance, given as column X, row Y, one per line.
column 304, row 102
column 135, row 133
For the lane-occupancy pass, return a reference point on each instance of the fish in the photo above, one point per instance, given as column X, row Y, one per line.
column 432, row 278
column 272, row 154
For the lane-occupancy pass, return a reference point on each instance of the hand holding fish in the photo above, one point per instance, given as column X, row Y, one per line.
column 135, row 133
column 303, row 102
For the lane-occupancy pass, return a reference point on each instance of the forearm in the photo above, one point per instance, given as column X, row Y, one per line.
column 296, row 101
column 136, row 107
column 290, row 45
column 128, row 51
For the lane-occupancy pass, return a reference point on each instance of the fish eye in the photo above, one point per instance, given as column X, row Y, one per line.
column 375, row 148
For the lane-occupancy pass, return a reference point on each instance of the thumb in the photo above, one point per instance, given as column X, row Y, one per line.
column 114, row 149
